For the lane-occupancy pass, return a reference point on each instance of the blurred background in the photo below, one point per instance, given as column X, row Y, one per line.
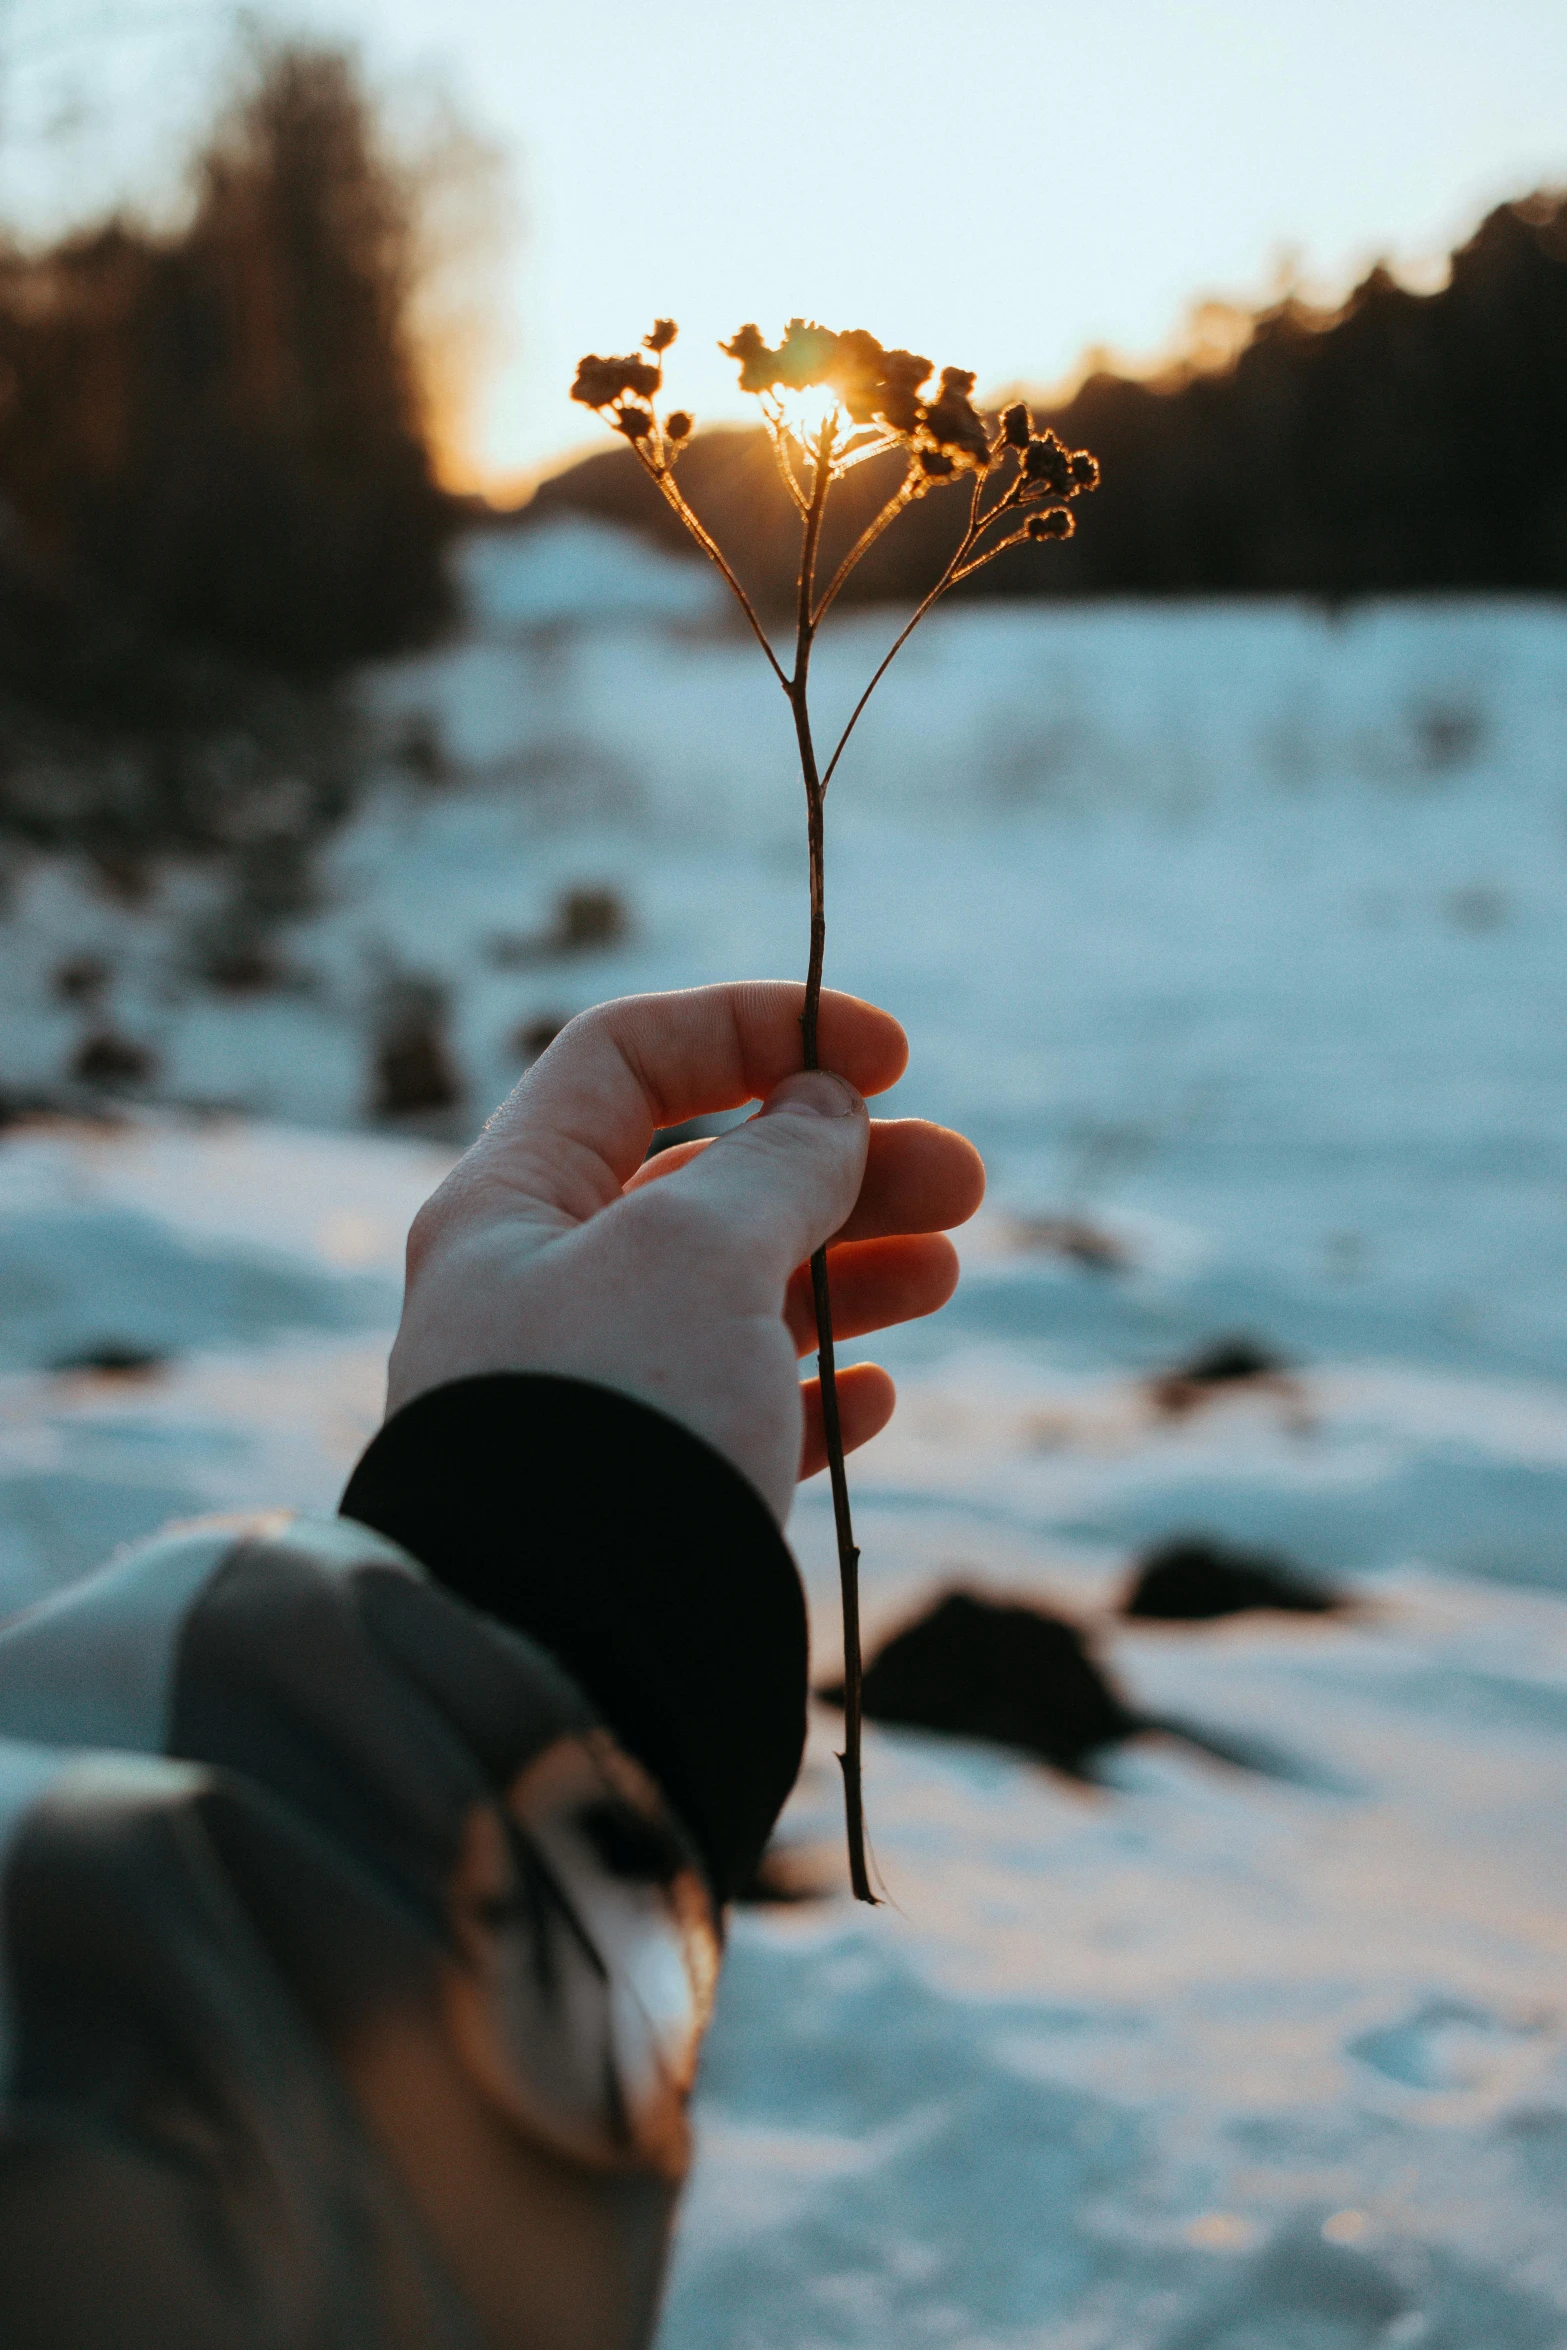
column 363, row 717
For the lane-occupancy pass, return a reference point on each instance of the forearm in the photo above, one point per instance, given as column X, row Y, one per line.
column 637, row 1557
column 406, row 1845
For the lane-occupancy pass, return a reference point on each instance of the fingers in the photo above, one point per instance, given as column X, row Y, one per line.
column 874, row 1284
column 580, row 1122
column 918, row 1178
column 866, row 1401
column 767, row 1193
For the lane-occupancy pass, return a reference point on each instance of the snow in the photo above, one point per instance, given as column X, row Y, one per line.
column 1236, row 931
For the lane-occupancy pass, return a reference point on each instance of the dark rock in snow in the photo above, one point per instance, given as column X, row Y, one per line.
column 242, row 965
column 1195, row 1578
column 533, row 1037
column 414, row 1068
column 591, row 918
column 1075, row 1237
column 585, row 921
column 81, row 978
column 109, row 1059
column 1017, row 1676
column 113, row 1358
column 1232, row 1361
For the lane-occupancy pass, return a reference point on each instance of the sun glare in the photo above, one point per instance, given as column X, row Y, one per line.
column 805, row 411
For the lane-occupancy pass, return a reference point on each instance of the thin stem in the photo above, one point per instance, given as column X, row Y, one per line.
column 662, row 476
column 957, row 568
column 821, row 1295
column 785, row 463
column 1019, row 538
column 863, row 545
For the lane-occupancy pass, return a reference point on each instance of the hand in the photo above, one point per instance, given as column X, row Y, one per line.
column 552, row 1247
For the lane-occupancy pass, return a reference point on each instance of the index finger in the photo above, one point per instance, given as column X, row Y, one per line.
column 581, row 1120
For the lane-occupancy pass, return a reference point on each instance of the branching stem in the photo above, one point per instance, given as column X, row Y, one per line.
column 963, row 562
column 821, row 1296
column 969, row 556
column 710, row 547
column 862, row 546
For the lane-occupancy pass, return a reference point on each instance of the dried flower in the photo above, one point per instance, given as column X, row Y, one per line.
column 875, row 386
column 1048, row 462
column 877, row 402
column 955, row 424
column 600, row 382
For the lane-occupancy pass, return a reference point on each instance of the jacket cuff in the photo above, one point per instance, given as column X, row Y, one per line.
column 633, row 1552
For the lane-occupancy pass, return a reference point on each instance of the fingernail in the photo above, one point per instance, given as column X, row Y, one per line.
column 816, row 1091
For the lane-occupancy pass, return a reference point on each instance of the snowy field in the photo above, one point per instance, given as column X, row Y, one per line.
column 1237, row 933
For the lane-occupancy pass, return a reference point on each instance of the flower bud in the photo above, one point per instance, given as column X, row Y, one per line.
column 1017, row 426
column 664, row 333
column 936, row 464
column 1085, row 470
column 635, row 423
column 1045, row 460
column 1055, row 523
column 601, row 380
column 678, row 426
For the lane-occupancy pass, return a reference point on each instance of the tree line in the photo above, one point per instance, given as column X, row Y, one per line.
column 1403, row 442
column 216, row 491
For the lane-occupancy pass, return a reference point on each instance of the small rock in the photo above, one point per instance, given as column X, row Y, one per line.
column 533, row 1037
column 1073, row 1236
column 591, row 918
column 122, row 876
column 242, row 966
column 1234, row 1361
column 81, row 978
column 420, row 750
column 109, row 1059
column 1016, row 1676
column 414, row 1070
column 113, row 1358
column 584, row 919
column 1196, row 1577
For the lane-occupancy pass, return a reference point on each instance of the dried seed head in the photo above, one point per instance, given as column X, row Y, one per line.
column 1047, row 463
column 875, row 385
column 1017, row 426
column 635, row 423
column 953, row 423
column 749, row 348
column 664, row 333
column 1085, row 470
column 678, row 426
column 1056, row 523
column 902, row 374
column 937, row 465
column 603, row 381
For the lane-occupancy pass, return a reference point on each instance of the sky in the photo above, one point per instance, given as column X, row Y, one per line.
column 1002, row 188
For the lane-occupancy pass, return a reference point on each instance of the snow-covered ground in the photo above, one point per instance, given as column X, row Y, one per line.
column 1238, row 932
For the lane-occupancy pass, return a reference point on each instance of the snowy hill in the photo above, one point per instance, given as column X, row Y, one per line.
column 1235, row 938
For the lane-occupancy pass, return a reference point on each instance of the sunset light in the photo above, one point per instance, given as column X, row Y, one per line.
column 1014, row 187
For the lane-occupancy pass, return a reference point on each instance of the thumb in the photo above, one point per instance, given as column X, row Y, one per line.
column 782, row 1183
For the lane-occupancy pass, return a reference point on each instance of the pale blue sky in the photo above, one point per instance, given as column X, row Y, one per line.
column 998, row 186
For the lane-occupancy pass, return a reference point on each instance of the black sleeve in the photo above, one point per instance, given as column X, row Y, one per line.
column 637, row 1556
